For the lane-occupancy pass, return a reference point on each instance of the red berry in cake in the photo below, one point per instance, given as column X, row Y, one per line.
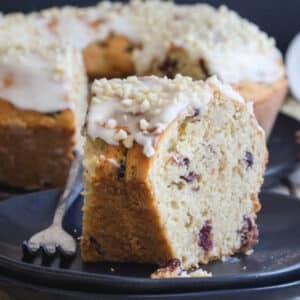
column 205, row 237
column 249, row 233
column 180, row 160
column 248, row 159
column 173, row 264
column 168, row 67
column 171, row 269
column 196, row 113
column 186, row 162
column 190, row 177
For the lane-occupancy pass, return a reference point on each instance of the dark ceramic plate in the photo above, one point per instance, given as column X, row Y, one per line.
column 283, row 150
column 22, row 291
column 276, row 259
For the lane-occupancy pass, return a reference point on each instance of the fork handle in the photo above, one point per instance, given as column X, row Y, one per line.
column 74, row 176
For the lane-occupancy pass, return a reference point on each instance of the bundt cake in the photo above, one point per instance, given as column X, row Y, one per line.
column 43, row 102
column 172, row 171
column 162, row 38
column 139, row 38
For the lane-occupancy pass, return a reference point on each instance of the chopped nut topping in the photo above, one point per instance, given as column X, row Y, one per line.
column 121, row 135
column 128, row 142
column 111, row 124
column 122, row 104
column 144, row 125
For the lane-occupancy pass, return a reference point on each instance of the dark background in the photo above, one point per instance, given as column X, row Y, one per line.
column 279, row 18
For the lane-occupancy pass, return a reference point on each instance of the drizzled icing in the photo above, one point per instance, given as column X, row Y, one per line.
column 38, row 79
column 140, row 109
column 231, row 47
column 81, row 26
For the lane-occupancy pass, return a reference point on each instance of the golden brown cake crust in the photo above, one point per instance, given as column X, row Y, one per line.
column 35, row 149
column 125, row 185
column 110, row 58
column 267, row 100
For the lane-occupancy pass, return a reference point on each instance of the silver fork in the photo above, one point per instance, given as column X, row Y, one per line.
column 55, row 237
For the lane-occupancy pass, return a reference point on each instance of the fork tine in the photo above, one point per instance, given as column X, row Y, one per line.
column 66, row 253
column 49, row 249
column 30, row 247
column 54, row 235
column 28, row 252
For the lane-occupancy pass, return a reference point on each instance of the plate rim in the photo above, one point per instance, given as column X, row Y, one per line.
column 73, row 293
column 38, row 274
column 100, row 282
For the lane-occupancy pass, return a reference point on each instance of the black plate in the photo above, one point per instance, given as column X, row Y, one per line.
column 22, row 291
column 283, row 150
column 276, row 259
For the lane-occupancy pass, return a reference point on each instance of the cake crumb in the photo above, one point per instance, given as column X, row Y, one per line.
column 229, row 259
column 173, row 269
column 197, row 273
column 249, row 252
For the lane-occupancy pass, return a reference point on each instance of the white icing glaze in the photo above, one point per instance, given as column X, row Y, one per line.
column 37, row 80
column 81, row 26
column 225, row 89
column 232, row 48
column 142, row 108
column 66, row 27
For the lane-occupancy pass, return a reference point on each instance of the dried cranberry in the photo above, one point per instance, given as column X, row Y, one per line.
column 205, row 237
column 168, row 67
column 203, row 66
column 172, row 264
column 196, row 113
column 190, row 177
column 180, row 160
column 249, row 233
column 121, row 170
column 186, row 162
column 248, row 159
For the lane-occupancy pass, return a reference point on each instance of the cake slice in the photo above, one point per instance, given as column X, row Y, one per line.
column 43, row 101
column 172, row 171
